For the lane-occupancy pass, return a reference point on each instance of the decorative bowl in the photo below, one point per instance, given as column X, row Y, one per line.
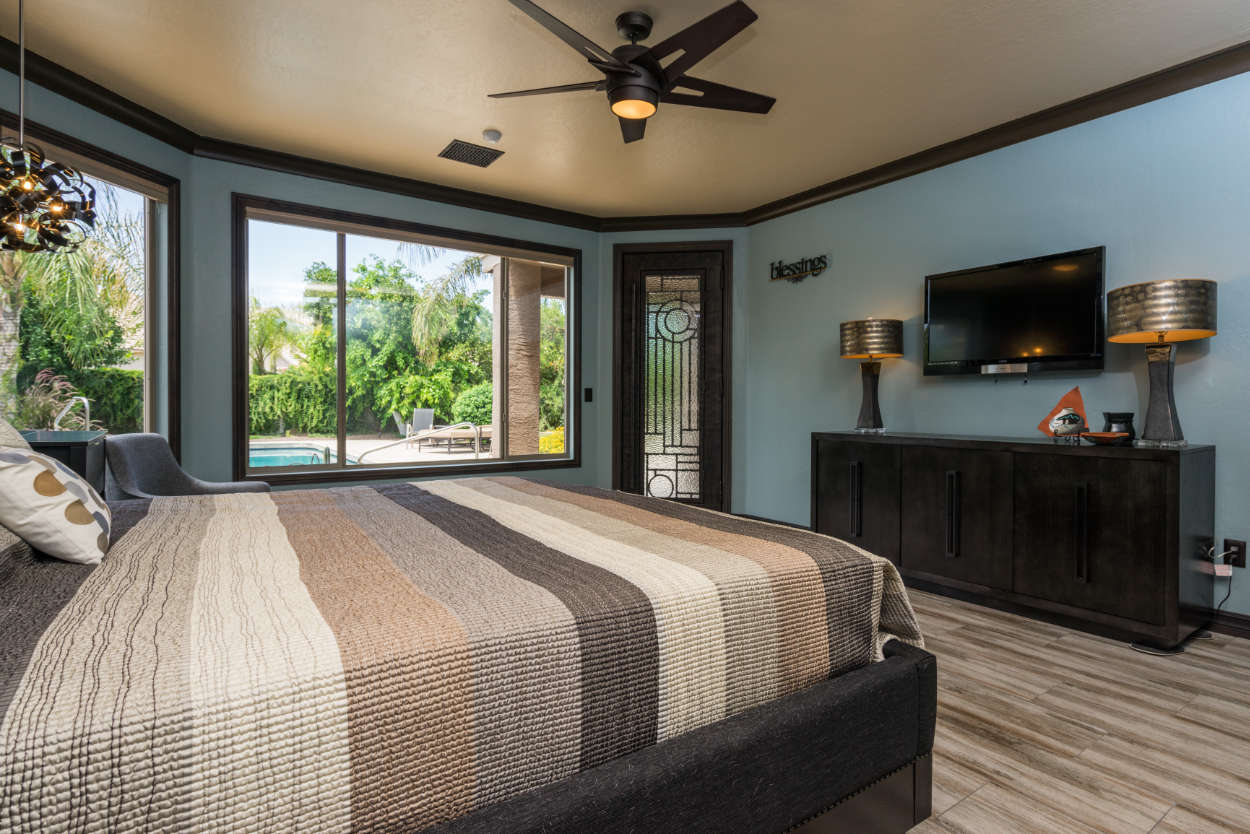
column 1107, row 438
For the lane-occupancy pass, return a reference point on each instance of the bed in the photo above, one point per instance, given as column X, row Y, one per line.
column 470, row 655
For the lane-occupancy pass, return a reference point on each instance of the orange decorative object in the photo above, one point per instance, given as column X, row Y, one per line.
column 1058, row 424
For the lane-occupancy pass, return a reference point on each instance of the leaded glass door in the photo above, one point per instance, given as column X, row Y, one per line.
column 672, row 381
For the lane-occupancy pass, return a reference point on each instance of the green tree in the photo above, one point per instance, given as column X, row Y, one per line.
column 448, row 306
column 552, row 353
column 268, row 334
column 66, row 339
column 320, row 303
column 390, row 308
column 10, row 330
column 68, row 311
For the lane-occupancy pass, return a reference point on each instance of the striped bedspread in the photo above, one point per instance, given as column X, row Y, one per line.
column 386, row 658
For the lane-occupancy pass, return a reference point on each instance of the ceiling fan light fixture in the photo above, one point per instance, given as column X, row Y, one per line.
column 632, row 101
column 632, row 108
column 637, row 77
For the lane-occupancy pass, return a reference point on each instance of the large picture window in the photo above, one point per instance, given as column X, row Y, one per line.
column 81, row 340
column 367, row 344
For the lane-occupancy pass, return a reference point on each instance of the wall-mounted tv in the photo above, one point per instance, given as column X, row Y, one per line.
column 1039, row 314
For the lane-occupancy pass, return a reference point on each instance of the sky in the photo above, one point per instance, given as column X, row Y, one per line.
column 128, row 202
column 279, row 253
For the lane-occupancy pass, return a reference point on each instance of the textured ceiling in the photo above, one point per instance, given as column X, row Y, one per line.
column 385, row 84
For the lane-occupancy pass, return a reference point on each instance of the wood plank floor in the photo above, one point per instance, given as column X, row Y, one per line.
column 1044, row 729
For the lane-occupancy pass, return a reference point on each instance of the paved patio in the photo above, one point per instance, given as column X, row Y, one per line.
column 394, row 452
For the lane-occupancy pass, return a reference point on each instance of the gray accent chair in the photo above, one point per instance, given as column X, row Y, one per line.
column 143, row 466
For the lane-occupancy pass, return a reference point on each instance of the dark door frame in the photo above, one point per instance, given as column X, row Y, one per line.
column 725, row 248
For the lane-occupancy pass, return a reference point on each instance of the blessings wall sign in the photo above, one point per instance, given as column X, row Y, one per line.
column 796, row 271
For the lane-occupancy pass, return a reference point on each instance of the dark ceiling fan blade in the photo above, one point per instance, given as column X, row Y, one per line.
column 718, row 96
column 701, row 39
column 588, row 49
column 632, row 129
column 562, row 88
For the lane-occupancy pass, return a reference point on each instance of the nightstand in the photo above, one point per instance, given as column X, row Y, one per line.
column 81, row 451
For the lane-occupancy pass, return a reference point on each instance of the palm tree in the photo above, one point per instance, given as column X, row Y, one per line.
column 87, row 292
column 10, row 319
column 439, row 305
column 269, row 333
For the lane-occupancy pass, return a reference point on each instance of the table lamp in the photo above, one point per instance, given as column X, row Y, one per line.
column 1158, row 314
column 872, row 340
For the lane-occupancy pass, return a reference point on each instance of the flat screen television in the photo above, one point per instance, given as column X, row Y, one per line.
column 1038, row 314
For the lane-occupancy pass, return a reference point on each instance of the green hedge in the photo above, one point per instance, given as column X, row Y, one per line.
column 290, row 402
column 116, row 396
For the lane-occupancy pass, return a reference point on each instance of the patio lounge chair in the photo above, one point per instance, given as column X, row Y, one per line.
column 422, row 420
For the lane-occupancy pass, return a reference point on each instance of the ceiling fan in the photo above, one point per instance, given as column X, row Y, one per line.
column 635, row 77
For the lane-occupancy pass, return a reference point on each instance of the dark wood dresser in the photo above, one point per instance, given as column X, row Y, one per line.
column 1114, row 538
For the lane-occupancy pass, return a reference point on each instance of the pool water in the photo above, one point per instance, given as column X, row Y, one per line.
column 260, row 456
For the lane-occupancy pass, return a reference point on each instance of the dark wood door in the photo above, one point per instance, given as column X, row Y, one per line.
column 957, row 518
column 672, row 408
column 856, row 493
column 1092, row 532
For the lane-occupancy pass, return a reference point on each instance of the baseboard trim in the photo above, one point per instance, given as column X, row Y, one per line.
column 1232, row 624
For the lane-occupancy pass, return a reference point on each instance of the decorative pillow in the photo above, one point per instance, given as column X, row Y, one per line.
column 52, row 508
column 10, row 436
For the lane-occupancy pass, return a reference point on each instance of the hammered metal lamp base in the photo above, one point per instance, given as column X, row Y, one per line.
column 1163, row 426
column 870, row 409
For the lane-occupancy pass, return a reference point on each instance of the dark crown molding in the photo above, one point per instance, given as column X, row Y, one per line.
column 1204, row 70
column 286, row 163
column 56, row 78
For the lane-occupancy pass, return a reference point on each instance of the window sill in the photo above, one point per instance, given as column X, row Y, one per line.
column 390, row 473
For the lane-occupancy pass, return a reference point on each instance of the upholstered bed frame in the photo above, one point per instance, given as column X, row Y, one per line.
column 851, row 754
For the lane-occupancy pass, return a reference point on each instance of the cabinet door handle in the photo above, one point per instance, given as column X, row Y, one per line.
column 953, row 513
column 855, row 499
column 1080, row 530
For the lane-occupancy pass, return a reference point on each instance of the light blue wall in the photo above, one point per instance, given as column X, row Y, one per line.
column 1165, row 186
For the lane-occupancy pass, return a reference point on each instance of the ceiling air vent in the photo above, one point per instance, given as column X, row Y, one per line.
column 478, row 155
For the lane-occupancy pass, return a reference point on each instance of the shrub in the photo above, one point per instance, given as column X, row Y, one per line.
column 116, row 396
column 475, row 405
column 403, row 393
column 39, row 404
column 551, row 442
column 551, row 405
column 291, row 402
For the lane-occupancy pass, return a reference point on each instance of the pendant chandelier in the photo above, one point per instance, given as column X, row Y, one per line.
column 44, row 206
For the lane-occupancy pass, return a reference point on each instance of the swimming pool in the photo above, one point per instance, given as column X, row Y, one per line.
column 289, row 455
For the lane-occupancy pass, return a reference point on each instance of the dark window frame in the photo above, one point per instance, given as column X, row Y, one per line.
column 241, row 205
column 173, row 222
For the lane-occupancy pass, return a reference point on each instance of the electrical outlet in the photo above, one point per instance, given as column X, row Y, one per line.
column 1236, row 551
